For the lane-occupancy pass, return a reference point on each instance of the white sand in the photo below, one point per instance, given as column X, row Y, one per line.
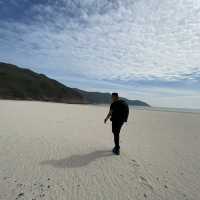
column 62, row 152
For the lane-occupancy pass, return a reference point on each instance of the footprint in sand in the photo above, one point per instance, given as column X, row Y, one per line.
column 134, row 163
column 145, row 182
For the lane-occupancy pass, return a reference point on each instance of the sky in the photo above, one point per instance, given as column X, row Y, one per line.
column 143, row 49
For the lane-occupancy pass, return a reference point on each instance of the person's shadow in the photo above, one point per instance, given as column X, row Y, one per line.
column 75, row 161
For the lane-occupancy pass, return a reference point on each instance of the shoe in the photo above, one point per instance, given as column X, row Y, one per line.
column 116, row 151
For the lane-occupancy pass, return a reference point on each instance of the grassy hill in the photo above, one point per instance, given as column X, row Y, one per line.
column 19, row 83
column 24, row 84
column 104, row 98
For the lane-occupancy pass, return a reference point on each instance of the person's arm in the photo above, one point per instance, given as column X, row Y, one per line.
column 108, row 116
column 127, row 113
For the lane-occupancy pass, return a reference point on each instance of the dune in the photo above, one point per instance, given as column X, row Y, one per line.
column 62, row 151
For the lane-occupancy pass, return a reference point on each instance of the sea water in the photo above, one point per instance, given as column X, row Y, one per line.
column 166, row 109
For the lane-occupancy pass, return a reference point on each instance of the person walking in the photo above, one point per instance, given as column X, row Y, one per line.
column 118, row 114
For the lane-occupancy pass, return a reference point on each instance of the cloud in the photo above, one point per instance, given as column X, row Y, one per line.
column 122, row 40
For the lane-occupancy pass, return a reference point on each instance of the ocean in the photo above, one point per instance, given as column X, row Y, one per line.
column 166, row 109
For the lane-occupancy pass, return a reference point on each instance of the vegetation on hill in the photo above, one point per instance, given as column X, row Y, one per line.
column 24, row 84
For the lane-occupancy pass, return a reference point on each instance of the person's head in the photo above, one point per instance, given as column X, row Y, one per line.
column 115, row 97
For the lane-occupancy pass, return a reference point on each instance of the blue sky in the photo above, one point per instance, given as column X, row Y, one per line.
column 144, row 49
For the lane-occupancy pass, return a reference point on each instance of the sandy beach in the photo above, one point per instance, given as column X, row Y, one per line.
column 60, row 151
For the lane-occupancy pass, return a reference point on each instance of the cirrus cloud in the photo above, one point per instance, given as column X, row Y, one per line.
column 124, row 41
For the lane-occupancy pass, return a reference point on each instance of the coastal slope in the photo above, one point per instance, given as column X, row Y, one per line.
column 24, row 84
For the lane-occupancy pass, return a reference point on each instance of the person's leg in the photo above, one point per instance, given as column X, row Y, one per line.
column 114, row 134
column 116, row 140
column 116, row 127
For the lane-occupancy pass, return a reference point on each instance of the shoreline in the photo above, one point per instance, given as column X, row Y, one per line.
column 165, row 109
column 143, row 108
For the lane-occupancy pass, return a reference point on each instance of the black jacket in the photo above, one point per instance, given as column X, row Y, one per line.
column 120, row 111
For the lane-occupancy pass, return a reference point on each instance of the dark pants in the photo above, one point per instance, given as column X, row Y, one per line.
column 116, row 127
